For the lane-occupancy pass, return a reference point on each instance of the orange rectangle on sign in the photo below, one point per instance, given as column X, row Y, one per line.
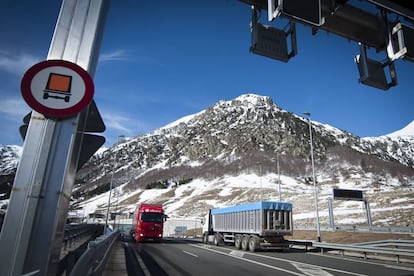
column 58, row 82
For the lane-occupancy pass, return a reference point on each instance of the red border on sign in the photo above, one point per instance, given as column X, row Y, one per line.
column 27, row 93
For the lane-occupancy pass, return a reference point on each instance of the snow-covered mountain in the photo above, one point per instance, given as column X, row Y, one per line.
column 229, row 154
column 407, row 131
column 396, row 146
column 9, row 157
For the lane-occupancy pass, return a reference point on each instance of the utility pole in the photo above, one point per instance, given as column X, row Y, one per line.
column 315, row 190
column 110, row 188
column 32, row 233
column 278, row 173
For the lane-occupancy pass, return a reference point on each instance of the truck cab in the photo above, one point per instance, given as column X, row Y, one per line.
column 148, row 223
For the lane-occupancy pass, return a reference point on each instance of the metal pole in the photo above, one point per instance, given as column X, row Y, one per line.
column 315, row 190
column 260, row 180
column 116, row 194
column 110, row 194
column 278, row 172
column 110, row 186
column 260, row 172
column 116, row 226
column 331, row 217
column 32, row 235
column 368, row 213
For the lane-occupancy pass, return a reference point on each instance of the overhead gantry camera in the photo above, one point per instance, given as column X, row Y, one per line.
column 368, row 25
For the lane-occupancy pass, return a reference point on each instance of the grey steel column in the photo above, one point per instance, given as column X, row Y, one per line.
column 368, row 213
column 331, row 216
column 32, row 234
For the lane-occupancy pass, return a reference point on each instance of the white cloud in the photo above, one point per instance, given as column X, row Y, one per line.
column 16, row 64
column 117, row 122
column 14, row 107
column 114, row 55
column 127, row 55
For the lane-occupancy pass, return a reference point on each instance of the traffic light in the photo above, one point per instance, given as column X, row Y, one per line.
column 308, row 11
column 272, row 42
column 90, row 142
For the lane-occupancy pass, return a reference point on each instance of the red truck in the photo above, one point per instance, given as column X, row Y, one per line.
column 147, row 223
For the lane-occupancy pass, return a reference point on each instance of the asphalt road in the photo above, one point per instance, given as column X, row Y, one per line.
column 184, row 257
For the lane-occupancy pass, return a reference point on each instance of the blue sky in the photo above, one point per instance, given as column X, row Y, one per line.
column 162, row 60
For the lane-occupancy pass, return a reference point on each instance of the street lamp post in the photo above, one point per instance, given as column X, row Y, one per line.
column 315, row 190
column 110, row 185
column 278, row 173
column 260, row 180
column 260, row 171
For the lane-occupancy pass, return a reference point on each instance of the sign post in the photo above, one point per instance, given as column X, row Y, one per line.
column 32, row 232
column 346, row 194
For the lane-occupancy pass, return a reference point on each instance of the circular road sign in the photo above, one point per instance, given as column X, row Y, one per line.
column 57, row 88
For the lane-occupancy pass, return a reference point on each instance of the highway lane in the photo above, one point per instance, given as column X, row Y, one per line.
column 183, row 257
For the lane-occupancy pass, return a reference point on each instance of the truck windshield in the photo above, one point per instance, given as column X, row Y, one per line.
column 152, row 217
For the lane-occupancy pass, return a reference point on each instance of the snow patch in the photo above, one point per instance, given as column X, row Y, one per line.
column 406, row 131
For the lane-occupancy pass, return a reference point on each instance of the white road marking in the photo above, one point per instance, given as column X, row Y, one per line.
column 311, row 270
column 191, row 254
column 294, row 263
column 141, row 263
column 399, row 267
column 316, row 266
column 31, row 273
column 250, row 261
column 237, row 253
column 352, row 259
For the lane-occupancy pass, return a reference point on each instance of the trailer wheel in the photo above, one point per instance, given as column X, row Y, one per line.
column 245, row 243
column 216, row 239
column 253, row 244
column 237, row 241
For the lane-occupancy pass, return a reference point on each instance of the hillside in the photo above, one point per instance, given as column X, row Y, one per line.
column 230, row 153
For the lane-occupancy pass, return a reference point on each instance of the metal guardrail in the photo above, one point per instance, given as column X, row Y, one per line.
column 93, row 261
column 389, row 243
column 389, row 229
column 388, row 247
column 75, row 240
column 74, row 232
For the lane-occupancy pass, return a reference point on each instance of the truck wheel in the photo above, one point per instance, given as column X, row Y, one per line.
column 237, row 242
column 245, row 243
column 216, row 240
column 253, row 244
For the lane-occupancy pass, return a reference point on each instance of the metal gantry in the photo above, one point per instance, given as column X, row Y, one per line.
column 354, row 21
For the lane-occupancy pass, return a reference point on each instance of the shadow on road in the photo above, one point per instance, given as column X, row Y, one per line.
column 141, row 258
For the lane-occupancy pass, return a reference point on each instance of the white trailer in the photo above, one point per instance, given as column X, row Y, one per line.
column 252, row 226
